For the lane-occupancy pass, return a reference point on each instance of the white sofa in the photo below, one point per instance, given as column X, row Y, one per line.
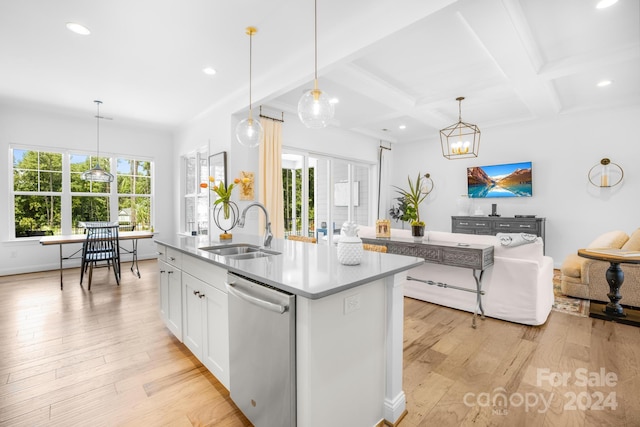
column 518, row 287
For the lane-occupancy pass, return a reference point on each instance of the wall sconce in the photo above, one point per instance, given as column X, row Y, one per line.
column 427, row 184
column 605, row 174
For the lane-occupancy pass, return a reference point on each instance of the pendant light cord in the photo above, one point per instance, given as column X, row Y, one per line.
column 250, row 65
column 98, row 130
column 315, row 38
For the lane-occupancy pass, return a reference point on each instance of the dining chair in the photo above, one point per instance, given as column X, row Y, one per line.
column 374, row 248
column 302, row 238
column 101, row 246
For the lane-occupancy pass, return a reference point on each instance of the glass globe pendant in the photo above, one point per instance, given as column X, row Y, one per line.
column 249, row 131
column 315, row 108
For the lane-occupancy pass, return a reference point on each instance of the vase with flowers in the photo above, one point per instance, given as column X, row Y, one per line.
column 225, row 212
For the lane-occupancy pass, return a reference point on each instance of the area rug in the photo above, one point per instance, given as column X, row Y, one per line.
column 565, row 304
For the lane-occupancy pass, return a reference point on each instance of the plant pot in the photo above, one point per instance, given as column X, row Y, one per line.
column 417, row 230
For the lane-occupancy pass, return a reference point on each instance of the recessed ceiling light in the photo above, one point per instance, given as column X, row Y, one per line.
column 604, row 83
column 78, row 29
column 209, row 71
column 402, row 127
column 334, row 100
column 603, row 4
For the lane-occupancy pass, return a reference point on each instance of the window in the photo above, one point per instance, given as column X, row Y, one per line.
column 89, row 200
column 196, row 198
column 50, row 197
column 134, row 193
column 37, row 192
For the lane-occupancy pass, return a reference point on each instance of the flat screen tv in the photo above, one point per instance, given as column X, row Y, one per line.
column 507, row 180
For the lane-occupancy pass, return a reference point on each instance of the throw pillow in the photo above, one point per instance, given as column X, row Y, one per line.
column 515, row 239
column 633, row 244
column 611, row 240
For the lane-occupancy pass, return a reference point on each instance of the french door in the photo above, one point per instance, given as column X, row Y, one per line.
column 322, row 192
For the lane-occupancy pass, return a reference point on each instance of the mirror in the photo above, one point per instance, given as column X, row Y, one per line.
column 218, row 166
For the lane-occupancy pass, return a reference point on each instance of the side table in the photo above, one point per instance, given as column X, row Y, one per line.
column 615, row 277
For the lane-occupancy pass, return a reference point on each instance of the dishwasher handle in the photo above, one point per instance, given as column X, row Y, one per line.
column 256, row 301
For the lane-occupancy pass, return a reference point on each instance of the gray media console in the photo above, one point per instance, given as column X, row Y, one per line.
column 493, row 225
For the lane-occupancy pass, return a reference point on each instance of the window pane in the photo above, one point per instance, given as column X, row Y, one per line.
column 25, row 180
column 143, row 185
column 37, row 215
column 88, row 208
column 203, row 173
column 50, row 181
column 135, row 211
column 190, row 179
column 189, row 214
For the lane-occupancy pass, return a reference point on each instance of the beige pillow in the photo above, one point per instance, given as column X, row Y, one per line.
column 572, row 265
column 633, row 244
column 611, row 240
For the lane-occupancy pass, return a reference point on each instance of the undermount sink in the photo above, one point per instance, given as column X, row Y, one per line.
column 239, row 251
column 252, row 255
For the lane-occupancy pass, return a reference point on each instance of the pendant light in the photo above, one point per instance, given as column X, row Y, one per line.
column 315, row 108
column 249, row 131
column 97, row 174
column 460, row 140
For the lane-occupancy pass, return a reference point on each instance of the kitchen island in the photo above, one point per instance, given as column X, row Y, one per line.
column 348, row 321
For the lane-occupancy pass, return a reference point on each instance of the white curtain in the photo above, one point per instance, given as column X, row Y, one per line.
column 270, row 176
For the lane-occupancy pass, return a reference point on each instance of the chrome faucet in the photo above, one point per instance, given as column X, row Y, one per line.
column 267, row 230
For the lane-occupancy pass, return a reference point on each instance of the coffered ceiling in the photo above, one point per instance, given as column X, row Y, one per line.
column 388, row 63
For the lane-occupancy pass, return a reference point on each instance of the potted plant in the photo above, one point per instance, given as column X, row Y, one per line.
column 410, row 204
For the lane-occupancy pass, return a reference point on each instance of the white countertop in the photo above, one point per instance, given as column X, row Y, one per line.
column 305, row 269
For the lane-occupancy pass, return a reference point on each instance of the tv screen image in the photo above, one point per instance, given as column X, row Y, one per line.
column 507, row 180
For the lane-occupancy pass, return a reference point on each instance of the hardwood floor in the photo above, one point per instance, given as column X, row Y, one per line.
column 104, row 358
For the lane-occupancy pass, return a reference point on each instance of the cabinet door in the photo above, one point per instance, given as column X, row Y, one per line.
column 216, row 344
column 163, row 291
column 193, row 315
column 174, row 306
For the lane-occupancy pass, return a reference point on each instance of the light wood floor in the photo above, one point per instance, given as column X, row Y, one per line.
column 104, row 358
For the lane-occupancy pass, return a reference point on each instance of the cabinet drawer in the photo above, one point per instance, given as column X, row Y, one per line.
column 162, row 252
column 206, row 272
column 472, row 224
column 516, row 227
column 174, row 257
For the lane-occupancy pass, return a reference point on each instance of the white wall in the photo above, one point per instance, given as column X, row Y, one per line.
column 562, row 151
column 42, row 127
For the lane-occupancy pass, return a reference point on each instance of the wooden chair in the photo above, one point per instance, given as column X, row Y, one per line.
column 374, row 248
column 101, row 246
column 302, row 238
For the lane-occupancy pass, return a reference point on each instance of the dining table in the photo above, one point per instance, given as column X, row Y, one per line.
column 68, row 239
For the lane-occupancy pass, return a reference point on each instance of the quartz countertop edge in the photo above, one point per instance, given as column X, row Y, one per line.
column 308, row 270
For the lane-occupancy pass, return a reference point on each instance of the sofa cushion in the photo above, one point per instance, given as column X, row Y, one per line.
column 633, row 244
column 610, row 240
column 572, row 265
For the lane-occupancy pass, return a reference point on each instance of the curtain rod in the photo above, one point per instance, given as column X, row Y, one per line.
column 272, row 118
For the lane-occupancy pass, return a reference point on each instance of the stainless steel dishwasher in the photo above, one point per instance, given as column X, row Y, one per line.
column 262, row 352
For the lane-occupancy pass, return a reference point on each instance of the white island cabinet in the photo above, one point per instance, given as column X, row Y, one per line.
column 348, row 323
column 193, row 306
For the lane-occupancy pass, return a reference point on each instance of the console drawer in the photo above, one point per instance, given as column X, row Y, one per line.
column 516, row 227
column 472, row 226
